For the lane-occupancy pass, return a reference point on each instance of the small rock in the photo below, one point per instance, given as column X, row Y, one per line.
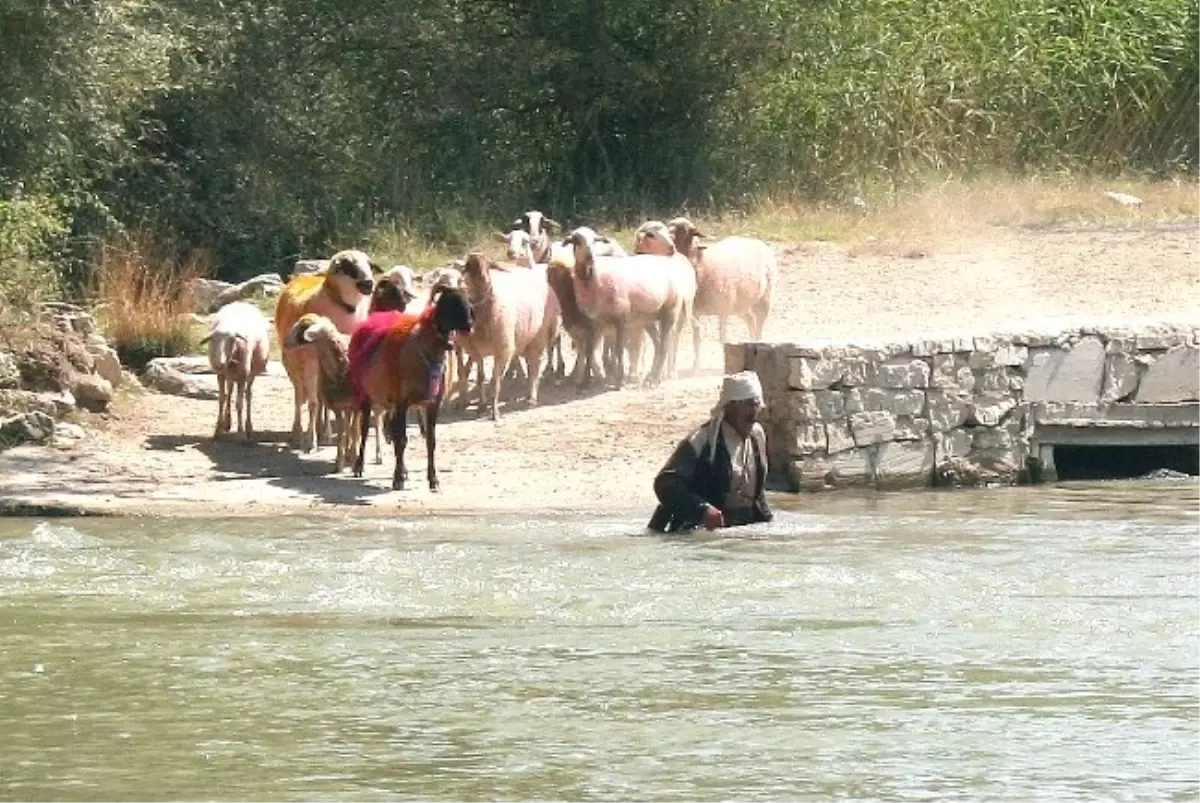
column 33, row 426
column 66, row 431
column 92, row 392
column 162, row 377
column 107, row 364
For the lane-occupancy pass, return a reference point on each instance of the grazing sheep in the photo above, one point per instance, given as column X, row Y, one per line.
column 239, row 345
column 516, row 314
column 397, row 360
column 734, row 276
column 341, row 294
column 333, row 385
column 631, row 294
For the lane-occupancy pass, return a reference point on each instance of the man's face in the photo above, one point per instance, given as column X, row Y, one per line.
column 741, row 415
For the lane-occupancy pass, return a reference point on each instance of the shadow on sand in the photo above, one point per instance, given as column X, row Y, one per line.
column 270, row 457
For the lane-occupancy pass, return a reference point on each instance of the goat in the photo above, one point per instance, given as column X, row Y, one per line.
column 516, row 314
column 629, row 294
column 239, row 346
column 341, row 294
column 397, row 360
column 734, row 276
column 333, row 385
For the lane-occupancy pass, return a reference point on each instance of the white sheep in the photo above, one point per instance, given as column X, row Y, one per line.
column 734, row 276
column 629, row 294
column 239, row 345
column 538, row 227
column 654, row 237
column 515, row 314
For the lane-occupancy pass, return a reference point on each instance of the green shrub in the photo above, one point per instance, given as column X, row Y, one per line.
column 31, row 233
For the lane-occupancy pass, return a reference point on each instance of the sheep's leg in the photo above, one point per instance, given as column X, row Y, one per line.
column 695, row 346
column 325, row 434
column 666, row 322
column 376, row 417
column 480, row 385
column 297, row 428
column 723, row 323
column 588, row 355
column 220, row 405
column 533, row 363
column 249, row 398
column 500, row 364
column 760, row 311
column 342, row 428
column 239, row 387
column 364, row 429
column 399, row 441
column 350, row 437
column 310, row 435
column 619, row 356
column 431, row 416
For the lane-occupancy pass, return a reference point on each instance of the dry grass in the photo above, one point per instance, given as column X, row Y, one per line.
column 904, row 223
column 918, row 222
column 141, row 301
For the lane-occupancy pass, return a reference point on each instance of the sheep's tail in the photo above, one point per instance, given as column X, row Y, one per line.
column 204, row 340
column 233, row 349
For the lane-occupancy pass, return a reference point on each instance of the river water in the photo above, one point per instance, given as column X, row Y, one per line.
column 1038, row 643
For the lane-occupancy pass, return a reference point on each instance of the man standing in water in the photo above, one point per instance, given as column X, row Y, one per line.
column 715, row 476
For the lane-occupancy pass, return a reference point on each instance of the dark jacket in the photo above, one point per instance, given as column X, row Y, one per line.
column 698, row 473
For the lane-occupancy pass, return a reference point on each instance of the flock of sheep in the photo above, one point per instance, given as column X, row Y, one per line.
column 364, row 345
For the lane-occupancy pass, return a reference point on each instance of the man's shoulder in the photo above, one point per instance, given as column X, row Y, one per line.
column 700, row 437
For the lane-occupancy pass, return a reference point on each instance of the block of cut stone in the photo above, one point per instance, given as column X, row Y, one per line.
column 807, row 373
column 953, row 443
column 838, row 436
column 817, row 472
column 907, row 464
column 951, row 371
column 872, row 427
column 946, row 410
column 1174, row 377
column 1058, row 375
column 911, row 428
column 810, row 438
column 988, row 411
column 904, row 373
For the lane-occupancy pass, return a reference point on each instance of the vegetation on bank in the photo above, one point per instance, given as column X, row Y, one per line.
column 244, row 135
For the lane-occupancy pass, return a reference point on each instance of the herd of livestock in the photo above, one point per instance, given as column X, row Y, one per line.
column 364, row 346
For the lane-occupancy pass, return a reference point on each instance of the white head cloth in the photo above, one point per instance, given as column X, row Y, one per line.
column 735, row 387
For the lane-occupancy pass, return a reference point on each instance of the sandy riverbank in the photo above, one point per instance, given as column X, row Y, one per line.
column 153, row 454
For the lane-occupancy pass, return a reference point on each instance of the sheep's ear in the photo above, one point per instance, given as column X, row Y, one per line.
column 603, row 239
column 551, row 223
column 499, row 237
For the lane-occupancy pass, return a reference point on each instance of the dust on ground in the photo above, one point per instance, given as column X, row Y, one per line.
column 153, row 454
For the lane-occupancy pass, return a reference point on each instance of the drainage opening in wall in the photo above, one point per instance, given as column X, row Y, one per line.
column 1123, row 462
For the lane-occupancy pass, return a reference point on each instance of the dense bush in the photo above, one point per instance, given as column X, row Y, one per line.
column 263, row 131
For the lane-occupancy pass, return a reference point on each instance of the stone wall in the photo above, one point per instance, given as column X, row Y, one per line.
column 956, row 408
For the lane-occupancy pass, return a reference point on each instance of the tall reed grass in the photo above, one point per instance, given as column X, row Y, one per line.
column 140, row 294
